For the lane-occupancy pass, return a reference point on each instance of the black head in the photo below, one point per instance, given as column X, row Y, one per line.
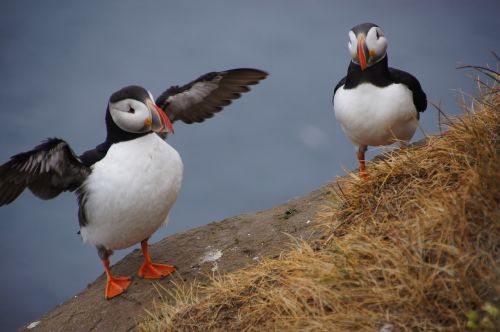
column 363, row 28
column 132, row 113
column 131, row 92
column 367, row 44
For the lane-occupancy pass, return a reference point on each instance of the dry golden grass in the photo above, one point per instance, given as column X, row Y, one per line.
column 417, row 246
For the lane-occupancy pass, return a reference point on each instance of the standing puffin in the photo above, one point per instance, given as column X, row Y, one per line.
column 375, row 104
column 127, row 185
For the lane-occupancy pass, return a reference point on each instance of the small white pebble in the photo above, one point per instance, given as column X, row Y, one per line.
column 211, row 256
column 307, row 222
column 255, row 258
column 387, row 328
column 32, row 325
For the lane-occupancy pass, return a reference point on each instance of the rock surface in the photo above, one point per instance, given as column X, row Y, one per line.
column 218, row 247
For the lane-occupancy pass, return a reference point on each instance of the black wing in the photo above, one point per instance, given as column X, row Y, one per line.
column 339, row 84
column 47, row 170
column 419, row 97
column 90, row 157
column 201, row 98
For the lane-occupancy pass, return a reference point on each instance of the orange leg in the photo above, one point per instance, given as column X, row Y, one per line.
column 114, row 285
column 150, row 270
column 361, row 159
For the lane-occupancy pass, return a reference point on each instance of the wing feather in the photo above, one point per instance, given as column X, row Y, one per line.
column 47, row 170
column 208, row 94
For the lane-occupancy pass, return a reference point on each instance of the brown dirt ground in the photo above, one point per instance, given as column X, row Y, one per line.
column 242, row 239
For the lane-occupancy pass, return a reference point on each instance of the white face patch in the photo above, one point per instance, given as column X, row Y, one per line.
column 353, row 45
column 129, row 115
column 376, row 43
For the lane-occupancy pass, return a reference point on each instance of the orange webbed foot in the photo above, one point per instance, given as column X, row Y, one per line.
column 151, row 270
column 116, row 286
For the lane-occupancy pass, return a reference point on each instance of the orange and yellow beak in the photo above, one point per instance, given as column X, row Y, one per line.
column 158, row 120
column 361, row 52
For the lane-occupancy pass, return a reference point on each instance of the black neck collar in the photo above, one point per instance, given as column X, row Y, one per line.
column 377, row 74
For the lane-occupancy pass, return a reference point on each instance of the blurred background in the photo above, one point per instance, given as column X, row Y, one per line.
column 60, row 62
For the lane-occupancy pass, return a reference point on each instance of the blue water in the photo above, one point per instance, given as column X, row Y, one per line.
column 60, row 61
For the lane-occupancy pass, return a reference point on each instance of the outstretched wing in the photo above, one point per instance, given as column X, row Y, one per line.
column 47, row 170
column 207, row 95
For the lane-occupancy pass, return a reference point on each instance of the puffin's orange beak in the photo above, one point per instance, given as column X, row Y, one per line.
column 361, row 52
column 167, row 123
column 159, row 121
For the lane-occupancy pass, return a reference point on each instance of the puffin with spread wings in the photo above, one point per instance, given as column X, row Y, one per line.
column 127, row 185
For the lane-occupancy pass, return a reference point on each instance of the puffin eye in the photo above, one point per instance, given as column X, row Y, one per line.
column 378, row 35
column 131, row 110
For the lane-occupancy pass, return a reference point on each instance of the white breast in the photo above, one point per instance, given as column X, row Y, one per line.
column 375, row 116
column 130, row 192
